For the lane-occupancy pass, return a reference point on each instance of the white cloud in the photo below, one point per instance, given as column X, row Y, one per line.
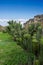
column 3, row 22
column 22, row 20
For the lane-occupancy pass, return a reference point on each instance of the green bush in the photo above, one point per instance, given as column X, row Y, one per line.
column 37, row 62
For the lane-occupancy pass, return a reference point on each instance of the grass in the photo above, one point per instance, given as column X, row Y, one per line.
column 10, row 52
column 5, row 37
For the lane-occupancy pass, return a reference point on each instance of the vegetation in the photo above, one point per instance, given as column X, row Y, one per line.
column 24, row 47
column 10, row 52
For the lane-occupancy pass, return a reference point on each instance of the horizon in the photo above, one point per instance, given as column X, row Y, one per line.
column 4, row 22
column 19, row 9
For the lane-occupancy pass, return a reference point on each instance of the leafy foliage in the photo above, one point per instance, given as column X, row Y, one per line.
column 29, row 40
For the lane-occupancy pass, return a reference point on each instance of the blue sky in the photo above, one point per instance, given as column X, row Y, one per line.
column 20, row 9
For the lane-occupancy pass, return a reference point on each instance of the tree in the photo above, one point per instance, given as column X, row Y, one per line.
column 14, row 29
column 28, row 39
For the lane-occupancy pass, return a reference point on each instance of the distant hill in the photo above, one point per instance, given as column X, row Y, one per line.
column 2, row 28
column 36, row 19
